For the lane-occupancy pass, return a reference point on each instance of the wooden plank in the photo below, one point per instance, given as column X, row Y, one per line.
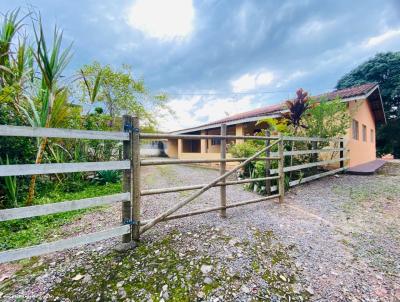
column 314, row 156
column 195, row 187
column 6, row 130
column 201, row 191
column 311, row 139
column 135, row 181
column 267, row 165
column 202, row 136
column 58, row 207
column 313, row 177
column 222, row 171
column 309, row 165
column 154, row 162
column 281, row 171
column 126, row 176
column 304, row 152
column 31, row 169
column 60, row 245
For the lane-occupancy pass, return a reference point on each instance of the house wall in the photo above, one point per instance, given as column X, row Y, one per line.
column 361, row 151
column 172, row 148
column 210, row 147
column 239, row 132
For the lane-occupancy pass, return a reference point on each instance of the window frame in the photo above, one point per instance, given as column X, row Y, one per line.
column 364, row 133
column 355, row 129
column 215, row 141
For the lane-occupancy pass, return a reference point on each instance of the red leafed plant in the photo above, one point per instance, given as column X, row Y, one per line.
column 297, row 108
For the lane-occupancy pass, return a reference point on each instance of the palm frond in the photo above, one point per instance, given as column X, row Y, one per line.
column 51, row 62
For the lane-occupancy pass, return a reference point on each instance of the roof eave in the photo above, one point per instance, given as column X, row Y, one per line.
column 229, row 123
column 276, row 114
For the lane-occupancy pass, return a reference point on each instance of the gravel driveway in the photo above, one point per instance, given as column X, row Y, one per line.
column 335, row 239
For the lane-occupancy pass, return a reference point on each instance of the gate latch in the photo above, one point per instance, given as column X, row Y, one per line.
column 130, row 128
column 130, row 221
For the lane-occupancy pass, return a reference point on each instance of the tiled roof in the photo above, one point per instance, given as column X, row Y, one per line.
column 271, row 109
column 349, row 92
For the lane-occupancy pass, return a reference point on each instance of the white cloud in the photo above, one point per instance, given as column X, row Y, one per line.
column 183, row 117
column 194, row 111
column 162, row 19
column 292, row 76
column 215, row 109
column 252, row 81
column 382, row 38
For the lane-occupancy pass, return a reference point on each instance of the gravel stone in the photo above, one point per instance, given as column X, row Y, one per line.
column 343, row 233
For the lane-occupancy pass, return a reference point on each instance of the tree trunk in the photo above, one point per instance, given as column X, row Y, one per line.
column 39, row 157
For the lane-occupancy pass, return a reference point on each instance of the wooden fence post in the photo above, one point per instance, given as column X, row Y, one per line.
column 135, row 179
column 126, row 176
column 222, row 171
column 281, row 186
column 314, row 156
column 267, row 164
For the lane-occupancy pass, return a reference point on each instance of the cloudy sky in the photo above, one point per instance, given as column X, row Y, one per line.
column 216, row 58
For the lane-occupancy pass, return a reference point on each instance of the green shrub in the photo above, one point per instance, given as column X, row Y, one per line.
column 25, row 232
column 110, row 176
column 255, row 169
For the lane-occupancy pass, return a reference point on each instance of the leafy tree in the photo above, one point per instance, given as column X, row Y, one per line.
column 326, row 118
column 383, row 69
column 119, row 92
column 33, row 93
column 274, row 125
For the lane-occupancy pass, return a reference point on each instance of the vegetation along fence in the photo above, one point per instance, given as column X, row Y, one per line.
column 132, row 226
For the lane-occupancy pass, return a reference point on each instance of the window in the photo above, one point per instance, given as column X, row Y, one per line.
column 364, row 133
column 354, row 128
column 372, row 136
column 215, row 141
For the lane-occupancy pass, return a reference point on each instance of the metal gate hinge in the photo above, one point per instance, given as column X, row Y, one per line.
column 130, row 221
column 130, row 128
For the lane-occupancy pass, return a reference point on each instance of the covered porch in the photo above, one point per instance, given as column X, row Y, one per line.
column 208, row 148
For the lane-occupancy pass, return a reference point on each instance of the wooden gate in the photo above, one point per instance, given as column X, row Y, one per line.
column 132, row 226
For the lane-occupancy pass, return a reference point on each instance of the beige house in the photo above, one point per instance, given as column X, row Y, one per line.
column 364, row 102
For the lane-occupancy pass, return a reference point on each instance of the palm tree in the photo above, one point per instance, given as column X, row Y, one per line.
column 16, row 65
column 51, row 64
column 10, row 26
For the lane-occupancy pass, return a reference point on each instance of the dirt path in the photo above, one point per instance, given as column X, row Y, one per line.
column 336, row 239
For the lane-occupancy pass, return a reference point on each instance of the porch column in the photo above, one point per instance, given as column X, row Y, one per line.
column 203, row 143
column 180, row 146
column 239, row 131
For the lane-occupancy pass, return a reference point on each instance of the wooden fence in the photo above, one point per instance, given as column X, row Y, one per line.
column 132, row 226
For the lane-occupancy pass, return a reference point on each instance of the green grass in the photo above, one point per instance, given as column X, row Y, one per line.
column 30, row 231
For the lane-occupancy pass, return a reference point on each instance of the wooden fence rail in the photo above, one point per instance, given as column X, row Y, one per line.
column 130, row 199
column 36, row 169
column 64, row 244
column 60, row 207
column 61, row 133
column 199, row 161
